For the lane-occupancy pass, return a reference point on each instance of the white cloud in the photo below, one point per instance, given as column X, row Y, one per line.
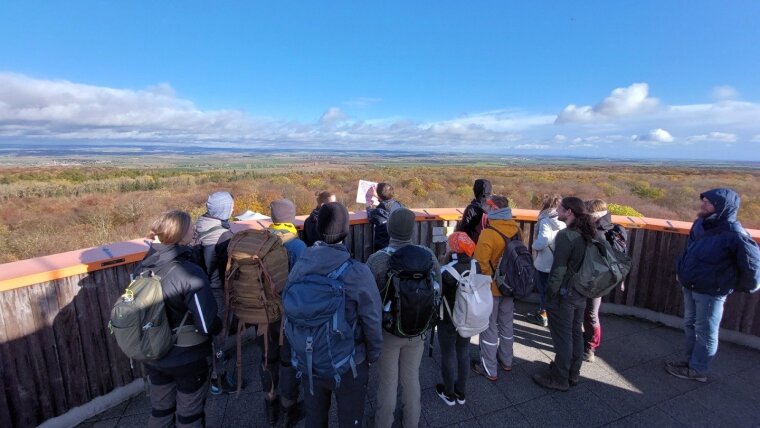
column 533, row 147
column 717, row 137
column 332, row 116
column 362, row 102
column 756, row 138
column 559, row 138
column 724, row 93
column 656, row 136
column 622, row 102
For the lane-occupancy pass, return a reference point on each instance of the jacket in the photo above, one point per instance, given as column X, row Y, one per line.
column 292, row 244
column 720, row 255
column 378, row 217
column 450, row 284
column 213, row 235
column 491, row 245
column 569, row 250
column 310, row 235
column 543, row 245
column 186, row 289
column 474, row 218
column 362, row 298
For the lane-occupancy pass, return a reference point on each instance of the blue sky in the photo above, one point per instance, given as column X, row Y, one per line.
column 663, row 79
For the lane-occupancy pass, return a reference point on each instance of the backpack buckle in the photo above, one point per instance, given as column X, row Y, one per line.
column 309, row 344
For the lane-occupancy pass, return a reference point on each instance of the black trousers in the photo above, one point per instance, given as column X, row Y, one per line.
column 351, row 397
column 566, row 327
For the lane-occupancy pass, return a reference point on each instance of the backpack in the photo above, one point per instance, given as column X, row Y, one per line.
column 515, row 273
column 411, row 295
column 321, row 340
column 257, row 270
column 139, row 322
column 616, row 238
column 473, row 304
column 603, row 268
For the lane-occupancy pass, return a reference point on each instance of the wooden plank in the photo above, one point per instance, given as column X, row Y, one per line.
column 69, row 343
column 633, row 277
column 426, row 233
column 349, row 241
column 367, row 239
column 750, row 312
column 416, row 234
column 358, row 242
column 9, row 398
column 96, row 360
column 110, row 286
column 674, row 296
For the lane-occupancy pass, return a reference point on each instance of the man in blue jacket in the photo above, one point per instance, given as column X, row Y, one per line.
column 720, row 257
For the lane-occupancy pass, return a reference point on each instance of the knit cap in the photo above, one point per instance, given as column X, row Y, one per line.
column 459, row 242
column 401, row 224
column 283, row 211
column 332, row 222
column 219, row 205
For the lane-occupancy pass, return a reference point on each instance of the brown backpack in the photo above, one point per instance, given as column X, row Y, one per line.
column 257, row 270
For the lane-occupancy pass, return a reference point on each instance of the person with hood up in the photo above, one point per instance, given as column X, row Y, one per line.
column 543, row 251
column 310, row 234
column 475, row 219
column 720, row 257
column 178, row 381
column 496, row 343
column 380, row 204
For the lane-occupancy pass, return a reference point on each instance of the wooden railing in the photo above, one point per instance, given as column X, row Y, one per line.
column 56, row 352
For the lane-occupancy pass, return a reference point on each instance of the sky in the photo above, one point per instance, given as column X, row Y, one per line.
column 650, row 79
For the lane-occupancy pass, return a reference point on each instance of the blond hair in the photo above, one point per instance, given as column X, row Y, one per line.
column 595, row 205
column 550, row 200
column 170, row 227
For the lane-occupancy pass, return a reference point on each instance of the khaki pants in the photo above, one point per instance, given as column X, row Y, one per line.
column 399, row 360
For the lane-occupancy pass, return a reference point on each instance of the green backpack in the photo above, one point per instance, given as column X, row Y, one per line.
column 603, row 268
column 139, row 322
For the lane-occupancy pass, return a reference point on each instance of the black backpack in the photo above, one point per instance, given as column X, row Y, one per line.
column 411, row 295
column 515, row 273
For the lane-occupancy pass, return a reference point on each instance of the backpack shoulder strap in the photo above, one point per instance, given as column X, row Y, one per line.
column 340, row 270
column 208, row 232
column 453, row 272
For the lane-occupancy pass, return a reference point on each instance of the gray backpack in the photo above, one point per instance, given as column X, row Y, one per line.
column 603, row 268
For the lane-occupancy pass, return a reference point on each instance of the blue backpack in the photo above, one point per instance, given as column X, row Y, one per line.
column 321, row 339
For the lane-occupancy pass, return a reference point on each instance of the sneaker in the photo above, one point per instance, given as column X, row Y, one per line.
column 538, row 318
column 544, row 318
column 550, row 381
column 450, row 400
column 478, row 368
column 686, row 373
column 293, row 414
column 677, row 364
column 589, row 356
column 505, row 367
column 223, row 384
column 460, row 397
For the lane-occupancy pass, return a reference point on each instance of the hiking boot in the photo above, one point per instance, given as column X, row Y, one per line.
column 538, row 318
column 272, row 410
column 589, row 355
column 224, row 384
column 460, row 397
column 293, row 414
column 479, row 369
column 505, row 367
column 550, row 381
column 686, row 373
column 450, row 400
column 574, row 379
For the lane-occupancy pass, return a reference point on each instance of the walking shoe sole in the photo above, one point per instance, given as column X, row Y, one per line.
column 673, row 372
column 446, row 400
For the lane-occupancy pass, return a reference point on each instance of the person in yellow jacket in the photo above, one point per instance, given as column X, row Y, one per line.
column 497, row 341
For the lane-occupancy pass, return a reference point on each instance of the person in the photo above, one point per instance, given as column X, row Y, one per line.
column 178, row 382
column 616, row 236
column 543, row 251
column 475, row 219
column 310, row 235
column 400, row 357
column 380, row 205
column 362, row 309
column 496, row 343
column 212, row 234
column 720, row 257
column 565, row 306
column 283, row 380
column 455, row 355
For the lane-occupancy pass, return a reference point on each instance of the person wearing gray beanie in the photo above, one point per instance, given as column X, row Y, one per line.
column 400, row 227
column 283, row 211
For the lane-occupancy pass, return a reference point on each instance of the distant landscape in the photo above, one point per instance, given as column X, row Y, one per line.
column 74, row 198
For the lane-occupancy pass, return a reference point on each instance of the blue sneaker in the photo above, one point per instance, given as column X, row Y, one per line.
column 224, row 384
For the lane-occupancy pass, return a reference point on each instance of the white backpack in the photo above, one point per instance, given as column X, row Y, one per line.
column 474, row 302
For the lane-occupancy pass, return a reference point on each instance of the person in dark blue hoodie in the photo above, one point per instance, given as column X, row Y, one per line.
column 720, row 257
column 380, row 205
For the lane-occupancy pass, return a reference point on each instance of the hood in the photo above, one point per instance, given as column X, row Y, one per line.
column 205, row 223
column 320, row 259
column 507, row 227
column 500, row 214
column 726, row 203
column 482, row 189
column 161, row 254
column 605, row 222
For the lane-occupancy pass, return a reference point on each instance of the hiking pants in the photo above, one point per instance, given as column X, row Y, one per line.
column 565, row 325
column 399, row 362
column 351, row 397
column 455, row 358
column 542, row 278
column 224, row 343
column 179, row 392
column 592, row 328
column 497, row 340
column 276, row 369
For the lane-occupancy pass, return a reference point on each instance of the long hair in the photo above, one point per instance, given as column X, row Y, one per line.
column 583, row 222
column 170, row 227
column 550, row 200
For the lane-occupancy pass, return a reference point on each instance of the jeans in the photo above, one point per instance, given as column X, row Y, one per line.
column 541, row 279
column 455, row 358
column 399, row 363
column 565, row 324
column 701, row 321
column 351, row 397
column 592, row 328
column 496, row 343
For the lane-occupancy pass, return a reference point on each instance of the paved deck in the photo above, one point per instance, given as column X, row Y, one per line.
column 626, row 386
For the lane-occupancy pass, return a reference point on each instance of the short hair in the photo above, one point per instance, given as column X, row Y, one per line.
column 550, row 200
column 324, row 197
column 384, row 191
column 500, row 201
column 170, row 227
column 595, row 205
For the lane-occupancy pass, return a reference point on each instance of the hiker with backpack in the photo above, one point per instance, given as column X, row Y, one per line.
column 333, row 323
column 466, row 310
column 474, row 218
column 720, row 257
column 212, row 235
column 380, row 205
column 616, row 236
column 496, row 342
column 310, row 234
column 547, row 227
column 407, row 277
column 565, row 305
column 179, row 379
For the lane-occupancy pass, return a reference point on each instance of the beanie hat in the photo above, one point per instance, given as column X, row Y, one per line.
column 332, row 222
column 459, row 242
column 401, row 224
column 283, row 211
column 219, row 205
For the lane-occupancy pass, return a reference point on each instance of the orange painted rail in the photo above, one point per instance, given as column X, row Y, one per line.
column 49, row 268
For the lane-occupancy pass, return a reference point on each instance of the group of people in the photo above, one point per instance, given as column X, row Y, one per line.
column 719, row 258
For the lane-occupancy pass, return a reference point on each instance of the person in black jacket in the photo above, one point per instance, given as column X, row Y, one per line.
column 378, row 216
column 310, row 233
column 475, row 218
column 179, row 380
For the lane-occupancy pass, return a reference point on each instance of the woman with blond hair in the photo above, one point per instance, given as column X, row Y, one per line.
column 547, row 227
column 179, row 380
